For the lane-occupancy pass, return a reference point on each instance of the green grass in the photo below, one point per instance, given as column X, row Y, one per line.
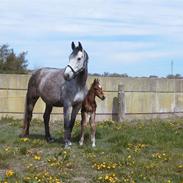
column 141, row 151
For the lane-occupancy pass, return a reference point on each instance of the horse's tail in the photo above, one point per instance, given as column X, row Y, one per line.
column 25, row 112
column 30, row 100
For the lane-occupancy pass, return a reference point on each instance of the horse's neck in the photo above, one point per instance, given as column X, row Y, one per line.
column 82, row 77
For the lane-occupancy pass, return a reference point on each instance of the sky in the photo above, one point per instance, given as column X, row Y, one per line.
column 140, row 38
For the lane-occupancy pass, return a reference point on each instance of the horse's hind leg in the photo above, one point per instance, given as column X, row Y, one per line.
column 93, row 129
column 46, row 117
column 29, row 106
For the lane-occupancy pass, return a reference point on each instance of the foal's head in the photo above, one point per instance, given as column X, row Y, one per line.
column 97, row 89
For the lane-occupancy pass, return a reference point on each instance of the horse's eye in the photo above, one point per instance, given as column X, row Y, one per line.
column 79, row 59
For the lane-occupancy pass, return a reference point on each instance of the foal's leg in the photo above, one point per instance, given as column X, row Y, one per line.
column 67, row 129
column 46, row 117
column 83, row 126
column 29, row 106
column 93, row 129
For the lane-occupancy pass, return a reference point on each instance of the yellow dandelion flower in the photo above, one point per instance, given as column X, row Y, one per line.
column 27, row 178
column 114, row 166
column 7, row 149
column 106, row 177
column 24, row 140
column 180, row 166
column 10, row 173
column 129, row 156
column 37, row 157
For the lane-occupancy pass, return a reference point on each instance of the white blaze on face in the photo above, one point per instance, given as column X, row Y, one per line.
column 100, row 86
column 76, row 63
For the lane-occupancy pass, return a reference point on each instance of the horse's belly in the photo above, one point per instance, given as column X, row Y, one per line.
column 52, row 101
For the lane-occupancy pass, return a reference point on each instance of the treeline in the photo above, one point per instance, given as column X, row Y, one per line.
column 107, row 74
column 10, row 63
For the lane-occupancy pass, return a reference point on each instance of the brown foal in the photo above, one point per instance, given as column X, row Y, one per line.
column 88, row 110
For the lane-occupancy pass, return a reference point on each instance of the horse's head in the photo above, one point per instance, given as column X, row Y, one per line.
column 98, row 89
column 77, row 61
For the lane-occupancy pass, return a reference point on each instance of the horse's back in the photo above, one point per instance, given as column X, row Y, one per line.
column 48, row 83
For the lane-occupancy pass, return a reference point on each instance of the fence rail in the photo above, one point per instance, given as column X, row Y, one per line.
column 141, row 98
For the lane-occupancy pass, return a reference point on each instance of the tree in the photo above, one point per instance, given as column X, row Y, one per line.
column 12, row 63
column 177, row 76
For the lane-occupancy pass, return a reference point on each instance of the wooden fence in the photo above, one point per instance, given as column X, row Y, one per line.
column 126, row 98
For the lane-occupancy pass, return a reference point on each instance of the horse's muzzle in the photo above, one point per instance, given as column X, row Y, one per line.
column 103, row 97
column 68, row 74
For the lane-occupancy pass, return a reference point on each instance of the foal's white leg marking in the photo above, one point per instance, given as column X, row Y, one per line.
column 81, row 141
column 93, row 142
column 83, row 125
column 93, row 129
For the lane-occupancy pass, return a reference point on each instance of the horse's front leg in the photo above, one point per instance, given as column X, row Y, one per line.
column 46, row 117
column 75, row 111
column 93, row 128
column 67, row 125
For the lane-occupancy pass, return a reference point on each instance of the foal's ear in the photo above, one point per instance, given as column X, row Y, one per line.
column 80, row 46
column 73, row 46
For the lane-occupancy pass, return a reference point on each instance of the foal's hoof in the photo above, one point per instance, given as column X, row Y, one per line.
column 50, row 139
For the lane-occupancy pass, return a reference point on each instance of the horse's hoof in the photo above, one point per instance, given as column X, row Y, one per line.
column 93, row 145
column 50, row 139
column 68, row 145
column 80, row 143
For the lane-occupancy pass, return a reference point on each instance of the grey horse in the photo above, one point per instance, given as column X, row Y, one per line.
column 61, row 88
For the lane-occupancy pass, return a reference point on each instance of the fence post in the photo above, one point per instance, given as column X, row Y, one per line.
column 121, row 103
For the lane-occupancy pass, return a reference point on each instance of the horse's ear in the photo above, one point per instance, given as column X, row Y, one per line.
column 73, row 46
column 80, row 46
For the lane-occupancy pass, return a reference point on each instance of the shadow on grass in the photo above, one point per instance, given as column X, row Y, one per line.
column 59, row 140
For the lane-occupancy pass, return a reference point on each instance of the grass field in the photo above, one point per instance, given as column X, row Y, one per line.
column 139, row 151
